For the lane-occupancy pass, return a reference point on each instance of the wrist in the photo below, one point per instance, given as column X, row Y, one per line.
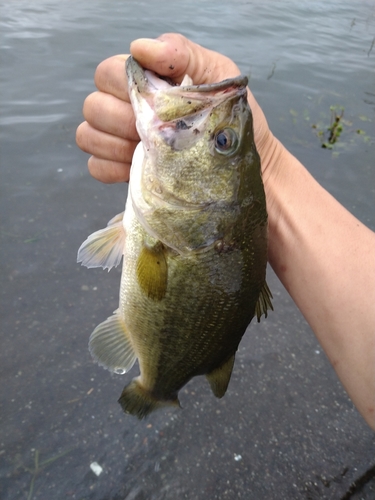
column 277, row 165
column 285, row 180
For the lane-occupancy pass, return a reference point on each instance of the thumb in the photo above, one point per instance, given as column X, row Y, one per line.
column 174, row 56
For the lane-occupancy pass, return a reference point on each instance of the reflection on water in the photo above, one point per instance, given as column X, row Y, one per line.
column 285, row 428
column 13, row 120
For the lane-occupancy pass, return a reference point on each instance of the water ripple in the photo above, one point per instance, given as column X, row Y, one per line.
column 51, row 118
column 27, row 34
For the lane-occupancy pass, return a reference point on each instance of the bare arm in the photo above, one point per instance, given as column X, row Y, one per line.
column 322, row 254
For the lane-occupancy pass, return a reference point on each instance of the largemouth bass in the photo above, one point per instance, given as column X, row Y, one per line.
column 193, row 239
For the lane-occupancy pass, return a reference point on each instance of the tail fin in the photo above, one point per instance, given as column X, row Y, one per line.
column 137, row 401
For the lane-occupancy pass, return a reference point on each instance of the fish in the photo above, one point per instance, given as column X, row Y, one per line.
column 193, row 239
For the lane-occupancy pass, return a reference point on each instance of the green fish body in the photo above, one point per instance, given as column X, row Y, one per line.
column 193, row 239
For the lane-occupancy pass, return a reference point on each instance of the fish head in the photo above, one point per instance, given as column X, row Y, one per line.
column 198, row 146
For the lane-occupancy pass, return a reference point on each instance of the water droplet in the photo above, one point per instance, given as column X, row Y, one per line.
column 119, row 371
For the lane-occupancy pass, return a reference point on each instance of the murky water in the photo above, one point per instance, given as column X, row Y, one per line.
column 286, row 428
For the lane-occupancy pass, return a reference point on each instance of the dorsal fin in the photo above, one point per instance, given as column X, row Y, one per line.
column 264, row 303
column 137, row 400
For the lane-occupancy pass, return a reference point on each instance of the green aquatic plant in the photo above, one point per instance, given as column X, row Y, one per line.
column 336, row 126
column 39, row 466
column 330, row 135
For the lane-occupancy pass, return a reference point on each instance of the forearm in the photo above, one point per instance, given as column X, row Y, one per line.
column 325, row 258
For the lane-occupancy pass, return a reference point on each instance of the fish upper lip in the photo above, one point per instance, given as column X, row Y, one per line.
column 230, row 83
column 137, row 75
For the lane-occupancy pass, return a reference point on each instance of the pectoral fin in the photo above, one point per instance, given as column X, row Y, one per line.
column 110, row 345
column 104, row 248
column 264, row 303
column 152, row 271
column 219, row 378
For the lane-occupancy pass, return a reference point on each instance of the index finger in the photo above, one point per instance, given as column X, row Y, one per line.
column 110, row 77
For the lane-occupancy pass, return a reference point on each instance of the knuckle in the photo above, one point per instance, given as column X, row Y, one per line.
column 89, row 105
column 80, row 134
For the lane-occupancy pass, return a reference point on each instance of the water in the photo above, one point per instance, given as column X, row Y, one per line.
column 286, row 428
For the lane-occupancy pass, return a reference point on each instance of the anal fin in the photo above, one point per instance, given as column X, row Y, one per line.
column 138, row 401
column 219, row 377
column 105, row 247
column 110, row 345
column 264, row 303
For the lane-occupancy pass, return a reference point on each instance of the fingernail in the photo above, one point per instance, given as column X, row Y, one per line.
column 148, row 40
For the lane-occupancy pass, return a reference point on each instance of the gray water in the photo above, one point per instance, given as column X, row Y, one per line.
column 286, row 428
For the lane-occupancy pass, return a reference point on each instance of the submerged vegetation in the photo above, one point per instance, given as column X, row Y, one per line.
column 335, row 128
column 330, row 135
column 336, row 134
column 38, row 466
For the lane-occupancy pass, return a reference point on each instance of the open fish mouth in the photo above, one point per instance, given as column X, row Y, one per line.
column 147, row 81
column 174, row 119
column 170, row 101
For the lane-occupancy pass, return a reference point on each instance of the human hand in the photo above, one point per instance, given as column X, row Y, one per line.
column 109, row 132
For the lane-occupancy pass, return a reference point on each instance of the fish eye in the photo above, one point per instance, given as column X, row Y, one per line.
column 226, row 141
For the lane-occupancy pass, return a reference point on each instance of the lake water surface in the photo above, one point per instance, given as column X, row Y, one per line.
column 286, row 428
